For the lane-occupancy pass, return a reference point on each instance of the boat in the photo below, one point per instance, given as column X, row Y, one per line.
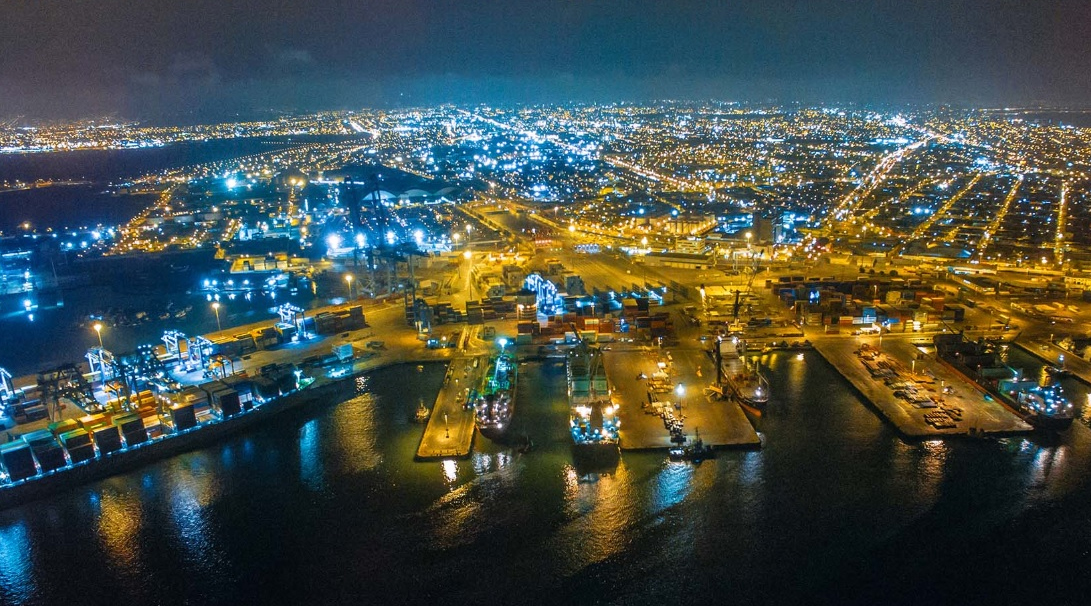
column 741, row 377
column 494, row 400
column 422, row 414
column 1040, row 402
column 1058, row 372
column 593, row 421
column 695, row 451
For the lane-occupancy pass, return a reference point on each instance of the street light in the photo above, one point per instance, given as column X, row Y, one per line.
column 644, row 263
column 748, row 236
column 348, row 281
column 681, row 391
column 216, row 308
column 98, row 330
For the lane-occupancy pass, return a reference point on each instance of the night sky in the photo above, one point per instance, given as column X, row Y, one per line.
column 147, row 58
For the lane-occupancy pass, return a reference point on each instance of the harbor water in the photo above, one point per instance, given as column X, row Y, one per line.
column 325, row 504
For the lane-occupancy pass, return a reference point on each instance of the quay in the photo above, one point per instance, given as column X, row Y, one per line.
column 933, row 400
column 1051, row 354
column 722, row 423
column 450, row 430
column 396, row 346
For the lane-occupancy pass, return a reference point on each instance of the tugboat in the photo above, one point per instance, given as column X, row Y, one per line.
column 695, row 451
column 423, row 413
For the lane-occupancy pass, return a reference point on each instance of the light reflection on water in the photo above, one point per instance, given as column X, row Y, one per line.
column 310, row 458
column 190, row 498
column 601, row 512
column 833, row 479
column 672, row 485
column 119, row 524
column 17, row 566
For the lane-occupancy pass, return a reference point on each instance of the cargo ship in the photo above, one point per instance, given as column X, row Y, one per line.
column 593, row 416
column 1040, row 402
column 494, row 401
column 742, row 379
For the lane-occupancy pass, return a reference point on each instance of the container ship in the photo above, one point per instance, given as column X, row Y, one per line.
column 494, row 402
column 741, row 378
column 593, row 423
column 1041, row 402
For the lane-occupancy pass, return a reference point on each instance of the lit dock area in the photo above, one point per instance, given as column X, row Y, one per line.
column 641, row 376
column 916, row 393
column 450, row 429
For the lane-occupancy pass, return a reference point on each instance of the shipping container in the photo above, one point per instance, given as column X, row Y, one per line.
column 18, row 461
column 107, row 439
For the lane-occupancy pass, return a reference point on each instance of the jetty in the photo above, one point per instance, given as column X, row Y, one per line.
column 916, row 394
column 450, row 430
column 652, row 386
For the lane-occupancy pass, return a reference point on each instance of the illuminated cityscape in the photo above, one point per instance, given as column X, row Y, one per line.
column 607, row 303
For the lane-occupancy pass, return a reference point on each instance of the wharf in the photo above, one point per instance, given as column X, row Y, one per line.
column 973, row 413
column 722, row 423
column 1050, row 353
column 450, row 429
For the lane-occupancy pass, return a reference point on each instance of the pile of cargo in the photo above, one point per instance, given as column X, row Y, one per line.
column 74, row 441
column 332, row 322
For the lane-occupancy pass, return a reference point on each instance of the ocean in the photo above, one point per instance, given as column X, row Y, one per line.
column 325, row 504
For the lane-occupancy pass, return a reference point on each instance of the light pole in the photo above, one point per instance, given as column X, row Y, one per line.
column 644, row 262
column 216, row 308
column 748, row 236
column 681, row 391
column 98, row 330
column 348, row 282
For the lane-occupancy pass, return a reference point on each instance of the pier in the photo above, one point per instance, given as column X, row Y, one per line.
column 917, row 394
column 722, row 423
column 450, row 430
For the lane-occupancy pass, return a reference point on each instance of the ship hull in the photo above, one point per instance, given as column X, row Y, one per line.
column 1054, row 423
column 494, row 424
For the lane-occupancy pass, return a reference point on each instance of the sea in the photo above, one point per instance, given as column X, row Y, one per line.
column 326, row 505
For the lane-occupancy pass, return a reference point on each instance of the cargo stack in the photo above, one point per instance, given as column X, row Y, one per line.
column 152, row 423
column 474, row 313
column 224, row 400
column 132, row 429
column 354, row 318
column 196, row 397
column 60, row 427
column 285, row 331
column 46, row 450
column 244, row 386
column 78, row 445
column 265, row 338
column 18, row 461
column 183, row 417
column 142, row 399
column 107, row 439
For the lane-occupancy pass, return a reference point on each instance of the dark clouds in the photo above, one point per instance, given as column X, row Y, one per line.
column 138, row 58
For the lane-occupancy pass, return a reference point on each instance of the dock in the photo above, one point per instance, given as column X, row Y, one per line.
column 722, row 423
column 450, row 430
column 924, row 410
